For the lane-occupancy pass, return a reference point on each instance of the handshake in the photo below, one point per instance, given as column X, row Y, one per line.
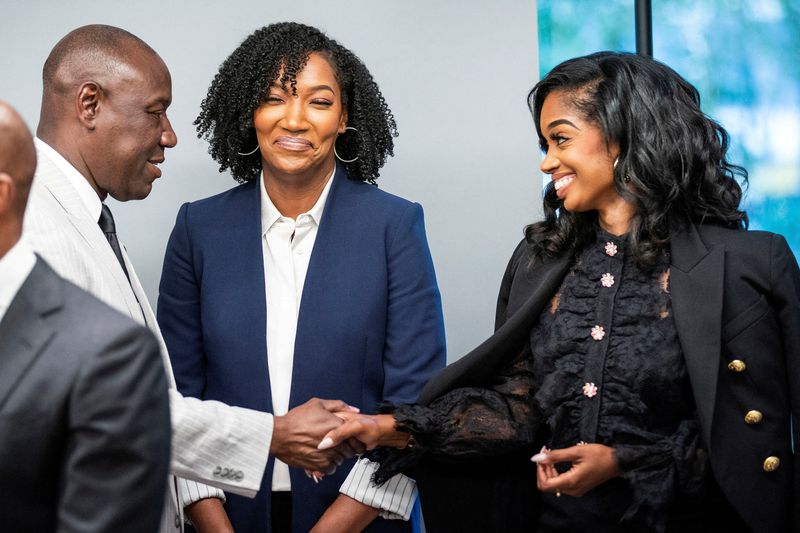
column 320, row 435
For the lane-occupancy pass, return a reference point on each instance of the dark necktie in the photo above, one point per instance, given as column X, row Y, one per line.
column 107, row 225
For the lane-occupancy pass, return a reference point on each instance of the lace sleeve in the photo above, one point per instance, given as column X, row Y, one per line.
column 660, row 469
column 467, row 422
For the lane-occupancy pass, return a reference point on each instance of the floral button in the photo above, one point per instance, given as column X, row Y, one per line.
column 607, row 280
column 611, row 249
column 589, row 390
column 598, row 333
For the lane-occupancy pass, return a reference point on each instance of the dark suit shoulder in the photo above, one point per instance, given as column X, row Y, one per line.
column 713, row 234
column 213, row 215
column 520, row 256
column 371, row 193
column 748, row 250
column 212, row 205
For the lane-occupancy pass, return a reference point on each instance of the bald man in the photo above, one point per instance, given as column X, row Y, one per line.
column 84, row 409
column 103, row 131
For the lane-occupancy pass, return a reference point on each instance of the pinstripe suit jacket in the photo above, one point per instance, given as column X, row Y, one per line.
column 209, row 439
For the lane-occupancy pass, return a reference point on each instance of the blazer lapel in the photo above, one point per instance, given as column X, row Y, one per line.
column 24, row 332
column 247, row 300
column 67, row 197
column 531, row 290
column 696, row 284
column 323, row 271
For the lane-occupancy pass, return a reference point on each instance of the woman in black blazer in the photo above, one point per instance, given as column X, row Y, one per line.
column 647, row 345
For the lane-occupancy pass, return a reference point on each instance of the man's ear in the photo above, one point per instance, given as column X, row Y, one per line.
column 88, row 102
column 8, row 193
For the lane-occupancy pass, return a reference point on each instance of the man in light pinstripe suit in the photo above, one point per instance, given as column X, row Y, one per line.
column 103, row 131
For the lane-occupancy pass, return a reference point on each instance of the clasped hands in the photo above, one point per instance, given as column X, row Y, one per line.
column 297, row 435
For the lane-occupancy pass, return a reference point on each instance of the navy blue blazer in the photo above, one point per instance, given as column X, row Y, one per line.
column 369, row 329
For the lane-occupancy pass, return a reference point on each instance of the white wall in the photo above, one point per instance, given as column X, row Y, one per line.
column 454, row 72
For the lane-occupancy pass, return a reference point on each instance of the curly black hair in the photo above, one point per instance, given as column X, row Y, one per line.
column 242, row 85
column 672, row 154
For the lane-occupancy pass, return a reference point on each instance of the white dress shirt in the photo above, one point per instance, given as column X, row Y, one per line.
column 286, row 246
column 15, row 267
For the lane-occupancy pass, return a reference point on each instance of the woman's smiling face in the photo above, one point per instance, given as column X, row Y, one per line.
column 296, row 132
column 577, row 157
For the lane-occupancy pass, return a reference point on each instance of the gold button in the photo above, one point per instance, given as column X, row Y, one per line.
column 771, row 463
column 753, row 417
column 737, row 365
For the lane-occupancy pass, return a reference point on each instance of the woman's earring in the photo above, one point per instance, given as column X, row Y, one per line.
column 626, row 178
column 251, row 152
column 254, row 150
column 337, row 155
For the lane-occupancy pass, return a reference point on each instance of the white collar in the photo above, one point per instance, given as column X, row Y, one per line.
column 270, row 213
column 78, row 181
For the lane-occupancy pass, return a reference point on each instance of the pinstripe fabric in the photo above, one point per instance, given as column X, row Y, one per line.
column 207, row 436
column 396, row 497
column 191, row 491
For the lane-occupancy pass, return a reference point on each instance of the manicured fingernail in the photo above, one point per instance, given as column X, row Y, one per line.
column 539, row 457
column 354, row 409
column 307, row 474
column 326, row 443
column 315, row 478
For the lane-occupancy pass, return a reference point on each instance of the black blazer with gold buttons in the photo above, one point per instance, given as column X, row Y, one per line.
column 736, row 303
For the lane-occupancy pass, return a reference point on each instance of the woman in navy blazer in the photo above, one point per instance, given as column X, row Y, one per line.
column 369, row 323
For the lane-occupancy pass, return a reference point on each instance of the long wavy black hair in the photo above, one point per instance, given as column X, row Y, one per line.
column 673, row 154
column 242, row 85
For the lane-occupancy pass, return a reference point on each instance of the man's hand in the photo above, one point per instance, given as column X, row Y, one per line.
column 592, row 464
column 296, row 434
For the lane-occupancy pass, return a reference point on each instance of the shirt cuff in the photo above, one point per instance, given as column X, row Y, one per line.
column 192, row 491
column 395, row 498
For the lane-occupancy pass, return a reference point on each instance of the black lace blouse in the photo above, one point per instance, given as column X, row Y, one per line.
column 609, row 369
column 603, row 365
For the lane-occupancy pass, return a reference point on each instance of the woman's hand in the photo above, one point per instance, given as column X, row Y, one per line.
column 592, row 465
column 371, row 430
